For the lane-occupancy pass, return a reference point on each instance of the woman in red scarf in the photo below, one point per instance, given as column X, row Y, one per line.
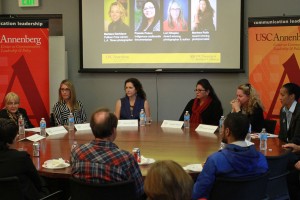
column 206, row 108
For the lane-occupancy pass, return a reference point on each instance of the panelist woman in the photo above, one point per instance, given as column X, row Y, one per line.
column 67, row 103
column 13, row 111
column 248, row 102
column 206, row 108
column 290, row 113
column 130, row 106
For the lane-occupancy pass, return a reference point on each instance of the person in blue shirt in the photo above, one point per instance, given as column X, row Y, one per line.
column 237, row 159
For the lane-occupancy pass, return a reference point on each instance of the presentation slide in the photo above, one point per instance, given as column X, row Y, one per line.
column 161, row 35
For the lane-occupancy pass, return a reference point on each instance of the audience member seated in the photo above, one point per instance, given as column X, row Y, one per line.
column 129, row 107
column 294, row 168
column 248, row 103
column 18, row 163
column 290, row 113
column 101, row 161
column 67, row 103
column 12, row 110
column 206, row 108
column 168, row 181
column 235, row 160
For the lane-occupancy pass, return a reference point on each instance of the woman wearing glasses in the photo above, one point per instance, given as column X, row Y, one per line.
column 247, row 101
column 150, row 17
column 206, row 108
column 175, row 20
column 13, row 111
column 67, row 103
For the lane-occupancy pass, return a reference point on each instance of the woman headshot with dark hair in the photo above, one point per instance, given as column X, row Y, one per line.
column 175, row 20
column 150, row 17
column 129, row 107
column 290, row 113
column 206, row 108
column 203, row 20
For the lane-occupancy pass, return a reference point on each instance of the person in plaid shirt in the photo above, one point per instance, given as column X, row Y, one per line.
column 101, row 161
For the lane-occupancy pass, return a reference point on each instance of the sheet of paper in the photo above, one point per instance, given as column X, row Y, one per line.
column 172, row 124
column 128, row 123
column 35, row 137
column 206, row 128
column 35, row 129
column 83, row 127
column 56, row 130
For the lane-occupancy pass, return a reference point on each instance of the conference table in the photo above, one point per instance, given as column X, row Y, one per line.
column 185, row 146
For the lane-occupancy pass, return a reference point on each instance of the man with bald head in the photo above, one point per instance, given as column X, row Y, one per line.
column 101, row 161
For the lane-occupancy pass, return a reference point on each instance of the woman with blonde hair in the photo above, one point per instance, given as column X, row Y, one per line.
column 166, row 180
column 175, row 20
column 117, row 14
column 247, row 101
column 13, row 111
column 67, row 103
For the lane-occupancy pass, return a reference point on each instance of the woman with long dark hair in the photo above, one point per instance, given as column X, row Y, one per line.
column 206, row 108
column 129, row 107
column 150, row 17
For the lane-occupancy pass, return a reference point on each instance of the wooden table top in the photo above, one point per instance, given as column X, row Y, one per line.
column 185, row 146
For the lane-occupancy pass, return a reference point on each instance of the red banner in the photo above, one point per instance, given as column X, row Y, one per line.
column 274, row 55
column 24, row 65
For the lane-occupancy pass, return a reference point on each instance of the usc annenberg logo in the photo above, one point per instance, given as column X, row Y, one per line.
column 276, row 37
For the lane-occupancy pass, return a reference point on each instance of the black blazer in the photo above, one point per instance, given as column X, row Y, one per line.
column 293, row 134
column 210, row 116
column 19, row 163
column 22, row 111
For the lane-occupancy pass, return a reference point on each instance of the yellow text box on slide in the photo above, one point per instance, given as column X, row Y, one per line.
column 145, row 58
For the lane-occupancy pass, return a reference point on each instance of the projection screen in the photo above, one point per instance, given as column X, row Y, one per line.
column 161, row 35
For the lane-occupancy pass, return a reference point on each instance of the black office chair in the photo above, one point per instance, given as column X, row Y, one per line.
column 244, row 188
column 10, row 189
column 52, row 120
column 107, row 191
column 270, row 125
column 277, row 184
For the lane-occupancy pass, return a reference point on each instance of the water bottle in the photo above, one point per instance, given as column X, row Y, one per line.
column 142, row 118
column 186, row 119
column 43, row 127
column 263, row 145
column 248, row 136
column 221, row 121
column 71, row 122
column 21, row 127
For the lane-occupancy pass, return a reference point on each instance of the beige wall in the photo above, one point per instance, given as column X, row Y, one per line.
column 167, row 93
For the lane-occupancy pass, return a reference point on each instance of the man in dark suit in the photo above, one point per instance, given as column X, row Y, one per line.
column 18, row 163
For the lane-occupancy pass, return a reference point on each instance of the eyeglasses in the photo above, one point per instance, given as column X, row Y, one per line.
column 175, row 9
column 198, row 90
column 13, row 103
column 64, row 89
column 148, row 8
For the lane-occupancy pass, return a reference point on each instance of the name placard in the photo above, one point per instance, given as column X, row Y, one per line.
column 206, row 128
column 83, row 127
column 172, row 124
column 56, row 130
column 128, row 123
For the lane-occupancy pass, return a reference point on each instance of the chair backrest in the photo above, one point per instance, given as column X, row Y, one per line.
column 245, row 188
column 270, row 125
column 105, row 191
column 277, row 184
column 10, row 188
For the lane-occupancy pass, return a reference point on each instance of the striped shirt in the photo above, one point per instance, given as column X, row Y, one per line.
column 102, row 162
column 61, row 112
